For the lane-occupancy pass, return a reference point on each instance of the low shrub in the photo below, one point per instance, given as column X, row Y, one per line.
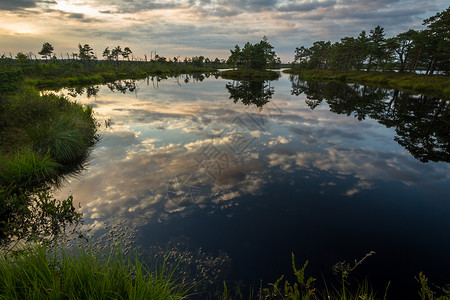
column 10, row 80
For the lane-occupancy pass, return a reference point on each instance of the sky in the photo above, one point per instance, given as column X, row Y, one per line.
column 189, row 28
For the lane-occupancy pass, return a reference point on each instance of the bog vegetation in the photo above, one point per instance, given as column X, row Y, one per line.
column 371, row 59
column 35, row 273
column 252, row 62
column 44, row 136
column 84, row 67
column 426, row 50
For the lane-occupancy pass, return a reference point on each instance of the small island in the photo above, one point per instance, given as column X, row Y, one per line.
column 253, row 62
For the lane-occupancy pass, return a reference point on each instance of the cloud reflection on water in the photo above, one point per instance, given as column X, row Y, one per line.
column 147, row 168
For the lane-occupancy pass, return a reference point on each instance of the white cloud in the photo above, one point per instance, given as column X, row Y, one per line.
column 189, row 28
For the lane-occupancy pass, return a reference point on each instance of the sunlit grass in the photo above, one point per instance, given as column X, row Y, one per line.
column 26, row 167
column 40, row 134
column 59, row 138
column 35, row 273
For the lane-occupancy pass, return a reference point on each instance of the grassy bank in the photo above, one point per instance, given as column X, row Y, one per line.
column 40, row 136
column 40, row 273
column 250, row 75
column 45, row 136
column 36, row 274
column 58, row 73
column 435, row 85
column 106, row 77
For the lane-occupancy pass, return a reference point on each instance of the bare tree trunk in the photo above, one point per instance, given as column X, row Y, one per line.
column 416, row 61
column 369, row 64
column 432, row 67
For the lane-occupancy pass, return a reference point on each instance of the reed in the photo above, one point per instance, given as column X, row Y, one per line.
column 35, row 273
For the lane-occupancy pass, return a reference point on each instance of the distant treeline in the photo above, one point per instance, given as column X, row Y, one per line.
column 85, row 68
column 427, row 50
column 87, row 53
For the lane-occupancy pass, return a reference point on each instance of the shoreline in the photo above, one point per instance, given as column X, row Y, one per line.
column 430, row 85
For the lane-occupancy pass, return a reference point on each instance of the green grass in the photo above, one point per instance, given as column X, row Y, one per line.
column 42, row 137
column 109, row 74
column 250, row 75
column 434, row 85
column 40, row 134
column 304, row 287
column 26, row 167
column 36, row 274
column 363, row 291
column 60, row 138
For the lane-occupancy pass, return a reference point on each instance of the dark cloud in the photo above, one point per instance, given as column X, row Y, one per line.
column 260, row 4
column 134, row 6
column 16, row 4
column 305, row 6
column 349, row 13
column 249, row 5
column 76, row 16
column 369, row 2
column 13, row 5
column 219, row 11
column 219, row 8
column 63, row 15
column 199, row 2
column 211, row 27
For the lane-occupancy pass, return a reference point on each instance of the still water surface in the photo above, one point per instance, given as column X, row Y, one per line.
column 247, row 173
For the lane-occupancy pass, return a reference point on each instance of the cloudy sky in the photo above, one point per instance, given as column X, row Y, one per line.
column 198, row 27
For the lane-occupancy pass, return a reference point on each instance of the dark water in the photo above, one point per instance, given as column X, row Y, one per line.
column 244, row 174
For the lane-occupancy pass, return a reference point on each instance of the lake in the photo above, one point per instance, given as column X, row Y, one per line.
column 233, row 177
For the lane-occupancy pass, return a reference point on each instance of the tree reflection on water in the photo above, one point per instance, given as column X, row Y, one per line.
column 421, row 123
column 249, row 93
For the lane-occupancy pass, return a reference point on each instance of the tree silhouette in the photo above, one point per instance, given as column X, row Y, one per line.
column 116, row 52
column 46, row 51
column 438, row 34
column 126, row 53
column 107, row 54
column 86, row 52
column 258, row 56
column 428, row 49
column 422, row 124
column 256, row 93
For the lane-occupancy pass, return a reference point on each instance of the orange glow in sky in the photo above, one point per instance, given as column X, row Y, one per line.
column 191, row 28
